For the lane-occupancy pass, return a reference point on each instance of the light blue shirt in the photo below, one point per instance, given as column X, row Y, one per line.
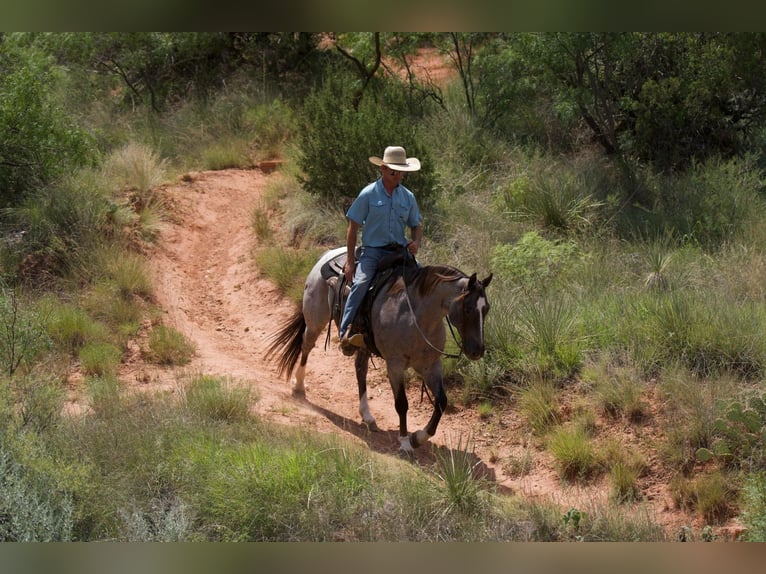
column 384, row 219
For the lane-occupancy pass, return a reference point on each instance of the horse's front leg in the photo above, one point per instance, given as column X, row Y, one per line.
column 432, row 378
column 396, row 378
column 361, row 364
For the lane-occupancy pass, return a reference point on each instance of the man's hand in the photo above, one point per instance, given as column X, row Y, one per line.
column 348, row 269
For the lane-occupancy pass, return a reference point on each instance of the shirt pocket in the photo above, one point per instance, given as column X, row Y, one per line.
column 402, row 213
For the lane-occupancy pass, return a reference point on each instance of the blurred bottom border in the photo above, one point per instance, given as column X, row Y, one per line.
column 380, row 558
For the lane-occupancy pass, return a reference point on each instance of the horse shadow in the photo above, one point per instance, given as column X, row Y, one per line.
column 386, row 442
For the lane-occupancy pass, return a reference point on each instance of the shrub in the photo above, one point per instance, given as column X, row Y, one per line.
column 754, row 507
column 40, row 140
column 33, row 509
column 533, row 261
column 39, row 399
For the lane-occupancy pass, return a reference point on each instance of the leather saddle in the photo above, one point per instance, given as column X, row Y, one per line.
column 391, row 265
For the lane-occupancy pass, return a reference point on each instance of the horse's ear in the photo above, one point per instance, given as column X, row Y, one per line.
column 486, row 281
column 471, row 281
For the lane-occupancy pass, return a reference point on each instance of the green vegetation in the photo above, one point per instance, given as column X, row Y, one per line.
column 622, row 214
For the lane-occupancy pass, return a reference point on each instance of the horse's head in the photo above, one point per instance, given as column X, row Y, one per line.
column 468, row 311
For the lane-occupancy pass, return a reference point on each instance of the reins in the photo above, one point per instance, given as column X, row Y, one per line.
column 423, row 387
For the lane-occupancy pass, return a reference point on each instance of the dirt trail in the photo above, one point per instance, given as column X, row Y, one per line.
column 207, row 285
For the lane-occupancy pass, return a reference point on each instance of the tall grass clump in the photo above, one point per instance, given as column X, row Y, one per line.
column 456, row 469
column 128, row 272
column 217, row 399
column 287, row 268
column 70, row 327
column 548, row 328
column 136, row 166
column 563, row 200
column 104, row 395
column 100, row 358
column 625, row 465
column 617, row 386
column 168, row 346
column 714, row 495
column 134, row 173
column 64, row 222
column 105, row 302
column 574, row 452
column 692, row 405
column 538, row 402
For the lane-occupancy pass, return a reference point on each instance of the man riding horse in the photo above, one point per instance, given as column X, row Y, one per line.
column 383, row 209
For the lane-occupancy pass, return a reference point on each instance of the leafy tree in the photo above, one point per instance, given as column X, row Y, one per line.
column 665, row 98
column 39, row 140
column 160, row 68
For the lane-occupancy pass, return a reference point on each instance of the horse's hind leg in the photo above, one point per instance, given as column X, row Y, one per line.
column 310, row 336
column 361, row 364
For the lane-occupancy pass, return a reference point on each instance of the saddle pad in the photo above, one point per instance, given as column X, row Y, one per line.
column 334, row 267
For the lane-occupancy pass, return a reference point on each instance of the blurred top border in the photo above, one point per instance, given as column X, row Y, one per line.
column 391, row 15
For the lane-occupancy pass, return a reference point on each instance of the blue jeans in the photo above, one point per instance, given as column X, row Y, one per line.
column 363, row 276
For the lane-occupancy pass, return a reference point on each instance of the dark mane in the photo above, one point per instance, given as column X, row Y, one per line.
column 425, row 279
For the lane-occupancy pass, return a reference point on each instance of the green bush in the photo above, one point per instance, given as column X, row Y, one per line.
column 533, row 261
column 754, row 507
column 40, row 140
column 32, row 508
column 713, row 201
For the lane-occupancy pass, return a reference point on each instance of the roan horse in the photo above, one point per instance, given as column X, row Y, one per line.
column 407, row 324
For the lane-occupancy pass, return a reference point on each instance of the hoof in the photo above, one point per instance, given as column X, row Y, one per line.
column 419, row 438
column 405, row 448
column 405, row 454
column 299, row 393
column 371, row 426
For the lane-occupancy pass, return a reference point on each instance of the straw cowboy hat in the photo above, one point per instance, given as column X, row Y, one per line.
column 396, row 158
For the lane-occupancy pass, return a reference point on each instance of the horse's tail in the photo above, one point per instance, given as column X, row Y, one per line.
column 288, row 342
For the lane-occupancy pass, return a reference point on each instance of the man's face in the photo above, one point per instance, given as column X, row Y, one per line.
column 391, row 176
